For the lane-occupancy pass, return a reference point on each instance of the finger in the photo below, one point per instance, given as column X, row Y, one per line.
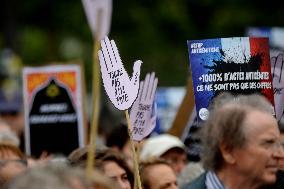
column 279, row 64
column 273, row 63
column 112, row 52
column 136, row 72
column 146, row 87
column 151, row 82
column 106, row 53
column 140, row 90
column 154, row 89
column 116, row 54
column 102, row 61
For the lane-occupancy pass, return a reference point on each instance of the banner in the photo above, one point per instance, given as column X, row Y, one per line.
column 276, row 42
column 240, row 65
column 53, row 109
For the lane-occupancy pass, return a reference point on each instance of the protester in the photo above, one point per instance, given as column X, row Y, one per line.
column 279, row 184
column 168, row 147
column 111, row 163
column 156, row 173
column 60, row 176
column 241, row 147
column 114, row 166
column 12, row 163
column 118, row 140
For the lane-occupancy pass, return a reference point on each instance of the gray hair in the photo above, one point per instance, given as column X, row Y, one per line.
column 226, row 124
column 59, row 176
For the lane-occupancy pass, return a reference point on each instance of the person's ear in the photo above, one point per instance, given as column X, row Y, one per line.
column 227, row 153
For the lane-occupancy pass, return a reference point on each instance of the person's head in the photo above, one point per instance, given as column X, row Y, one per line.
column 111, row 163
column 157, row 173
column 118, row 140
column 114, row 166
column 281, row 128
column 60, row 176
column 168, row 147
column 12, row 163
column 241, row 135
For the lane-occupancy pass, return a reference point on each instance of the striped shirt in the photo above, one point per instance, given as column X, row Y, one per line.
column 212, row 181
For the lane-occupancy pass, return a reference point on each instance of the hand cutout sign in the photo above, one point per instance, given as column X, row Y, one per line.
column 141, row 117
column 277, row 69
column 121, row 90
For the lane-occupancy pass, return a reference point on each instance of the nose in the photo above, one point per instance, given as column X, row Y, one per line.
column 279, row 152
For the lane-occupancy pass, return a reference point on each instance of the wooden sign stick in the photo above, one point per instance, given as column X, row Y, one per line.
column 96, row 108
column 135, row 156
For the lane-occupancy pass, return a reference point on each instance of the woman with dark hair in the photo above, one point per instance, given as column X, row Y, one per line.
column 114, row 166
column 109, row 162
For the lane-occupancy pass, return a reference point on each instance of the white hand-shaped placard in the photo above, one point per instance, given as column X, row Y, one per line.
column 142, row 123
column 121, row 90
column 277, row 69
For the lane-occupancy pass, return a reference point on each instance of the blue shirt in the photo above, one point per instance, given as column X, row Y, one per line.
column 213, row 182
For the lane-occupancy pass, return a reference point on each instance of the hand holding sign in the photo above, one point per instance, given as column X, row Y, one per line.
column 277, row 69
column 140, row 116
column 121, row 90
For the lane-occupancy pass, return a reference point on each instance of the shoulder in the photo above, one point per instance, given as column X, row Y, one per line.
column 198, row 183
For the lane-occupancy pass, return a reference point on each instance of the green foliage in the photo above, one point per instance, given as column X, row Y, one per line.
column 154, row 31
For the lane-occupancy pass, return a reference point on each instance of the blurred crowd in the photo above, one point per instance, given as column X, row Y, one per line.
column 242, row 147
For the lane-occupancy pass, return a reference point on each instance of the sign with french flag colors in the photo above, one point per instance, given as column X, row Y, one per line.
column 239, row 65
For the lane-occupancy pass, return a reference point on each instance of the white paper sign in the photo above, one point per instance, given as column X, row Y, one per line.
column 98, row 13
column 121, row 90
column 277, row 69
column 142, row 121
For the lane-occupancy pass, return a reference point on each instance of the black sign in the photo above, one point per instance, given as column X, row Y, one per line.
column 53, row 122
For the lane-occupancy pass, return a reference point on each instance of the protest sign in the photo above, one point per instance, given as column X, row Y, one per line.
column 276, row 42
column 98, row 13
column 142, row 120
column 121, row 90
column 238, row 65
column 53, row 109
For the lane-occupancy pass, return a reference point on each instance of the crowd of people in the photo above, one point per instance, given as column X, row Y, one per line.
column 242, row 147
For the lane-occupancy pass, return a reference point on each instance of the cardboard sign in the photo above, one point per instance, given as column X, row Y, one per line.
column 142, row 121
column 98, row 13
column 237, row 65
column 276, row 41
column 53, row 109
column 121, row 90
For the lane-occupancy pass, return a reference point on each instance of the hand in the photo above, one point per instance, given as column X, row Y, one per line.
column 277, row 69
column 142, row 117
column 121, row 90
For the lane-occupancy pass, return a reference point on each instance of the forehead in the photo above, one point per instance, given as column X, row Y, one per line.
column 111, row 167
column 257, row 123
column 160, row 174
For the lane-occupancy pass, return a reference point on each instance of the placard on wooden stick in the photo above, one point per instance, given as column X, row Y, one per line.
column 120, row 88
column 142, row 118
